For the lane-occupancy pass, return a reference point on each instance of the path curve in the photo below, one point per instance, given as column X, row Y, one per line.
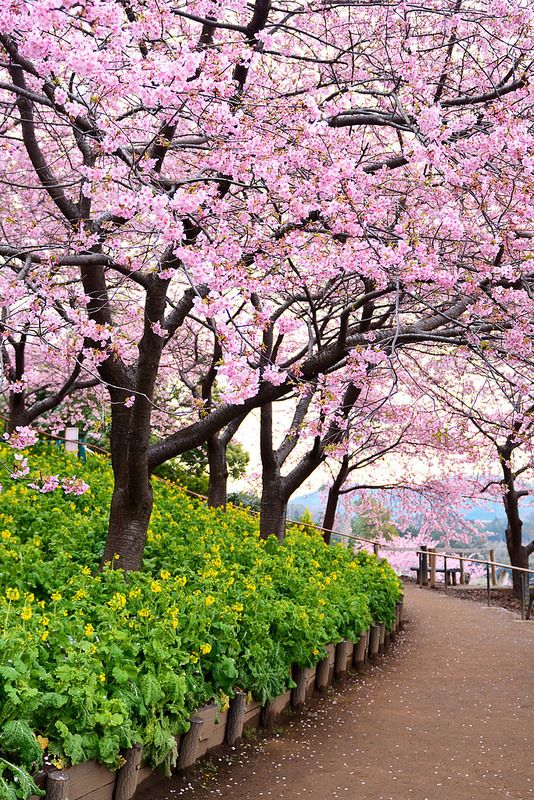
column 446, row 714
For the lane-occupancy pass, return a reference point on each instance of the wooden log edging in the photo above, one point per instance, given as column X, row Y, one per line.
column 128, row 774
column 58, row 786
column 209, row 727
column 236, row 718
column 189, row 744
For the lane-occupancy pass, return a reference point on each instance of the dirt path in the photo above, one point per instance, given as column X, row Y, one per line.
column 446, row 714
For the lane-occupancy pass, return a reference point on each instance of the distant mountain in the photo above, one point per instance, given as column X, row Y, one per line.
column 491, row 515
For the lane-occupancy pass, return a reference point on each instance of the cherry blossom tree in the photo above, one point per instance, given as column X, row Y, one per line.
column 347, row 180
column 41, row 358
column 490, row 411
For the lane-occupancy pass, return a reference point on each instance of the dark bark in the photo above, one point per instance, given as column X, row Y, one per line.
column 517, row 551
column 277, row 488
column 131, row 503
column 218, row 472
column 333, row 499
column 17, row 411
column 273, row 508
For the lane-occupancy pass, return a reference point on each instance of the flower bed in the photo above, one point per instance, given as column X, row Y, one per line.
column 93, row 663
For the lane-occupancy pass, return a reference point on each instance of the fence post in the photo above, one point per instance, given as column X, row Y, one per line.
column 488, row 584
column 446, row 583
column 523, row 575
column 71, row 440
column 462, row 571
column 493, row 570
column 424, row 565
column 432, row 569
column 376, row 548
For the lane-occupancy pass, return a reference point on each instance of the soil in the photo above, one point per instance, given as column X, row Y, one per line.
column 447, row 713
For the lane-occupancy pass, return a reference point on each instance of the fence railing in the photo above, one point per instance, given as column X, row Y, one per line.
column 427, row 564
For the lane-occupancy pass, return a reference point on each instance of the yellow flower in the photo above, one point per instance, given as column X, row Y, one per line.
column 6, row 535
column 26, row 613
column 42, row 741
column 92, row 650
column 12, row 594
column 165, row 574
column 181, row 581
column 134, row 593
column 56, row 597
column 81, row 594
column 44, row 636
column 205, row 649
column 315, row 652
column 86, row 571
column 209, row 600
column 117, row 602
column 193, row 658
column 174, row 623
column 88, row 630
column 155, row 587
column 145, row 612
column 102, row 677
column 44, row 621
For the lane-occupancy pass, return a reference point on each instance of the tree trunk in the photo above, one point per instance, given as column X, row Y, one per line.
column 273, row 509
column 218, row 472
column 17, row 400
column 17, row 411
column 129, row 518
column 517, row 552
column 131, row 503
column 518, row 558
column 333, row 499
column 330, row 512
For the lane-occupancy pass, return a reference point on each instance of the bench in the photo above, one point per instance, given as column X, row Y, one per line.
column 450, row 577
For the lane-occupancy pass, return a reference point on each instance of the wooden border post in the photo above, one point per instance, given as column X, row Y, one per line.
column 236, row 718
column 128, row 775
column 358, row 657
column 322, row 674
column 493, row 570
column 57, row 785
column 382, row 638
column 462, row 571
column 298, row 693
column 376, row 549
column 374, row 640
column 189, row 744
